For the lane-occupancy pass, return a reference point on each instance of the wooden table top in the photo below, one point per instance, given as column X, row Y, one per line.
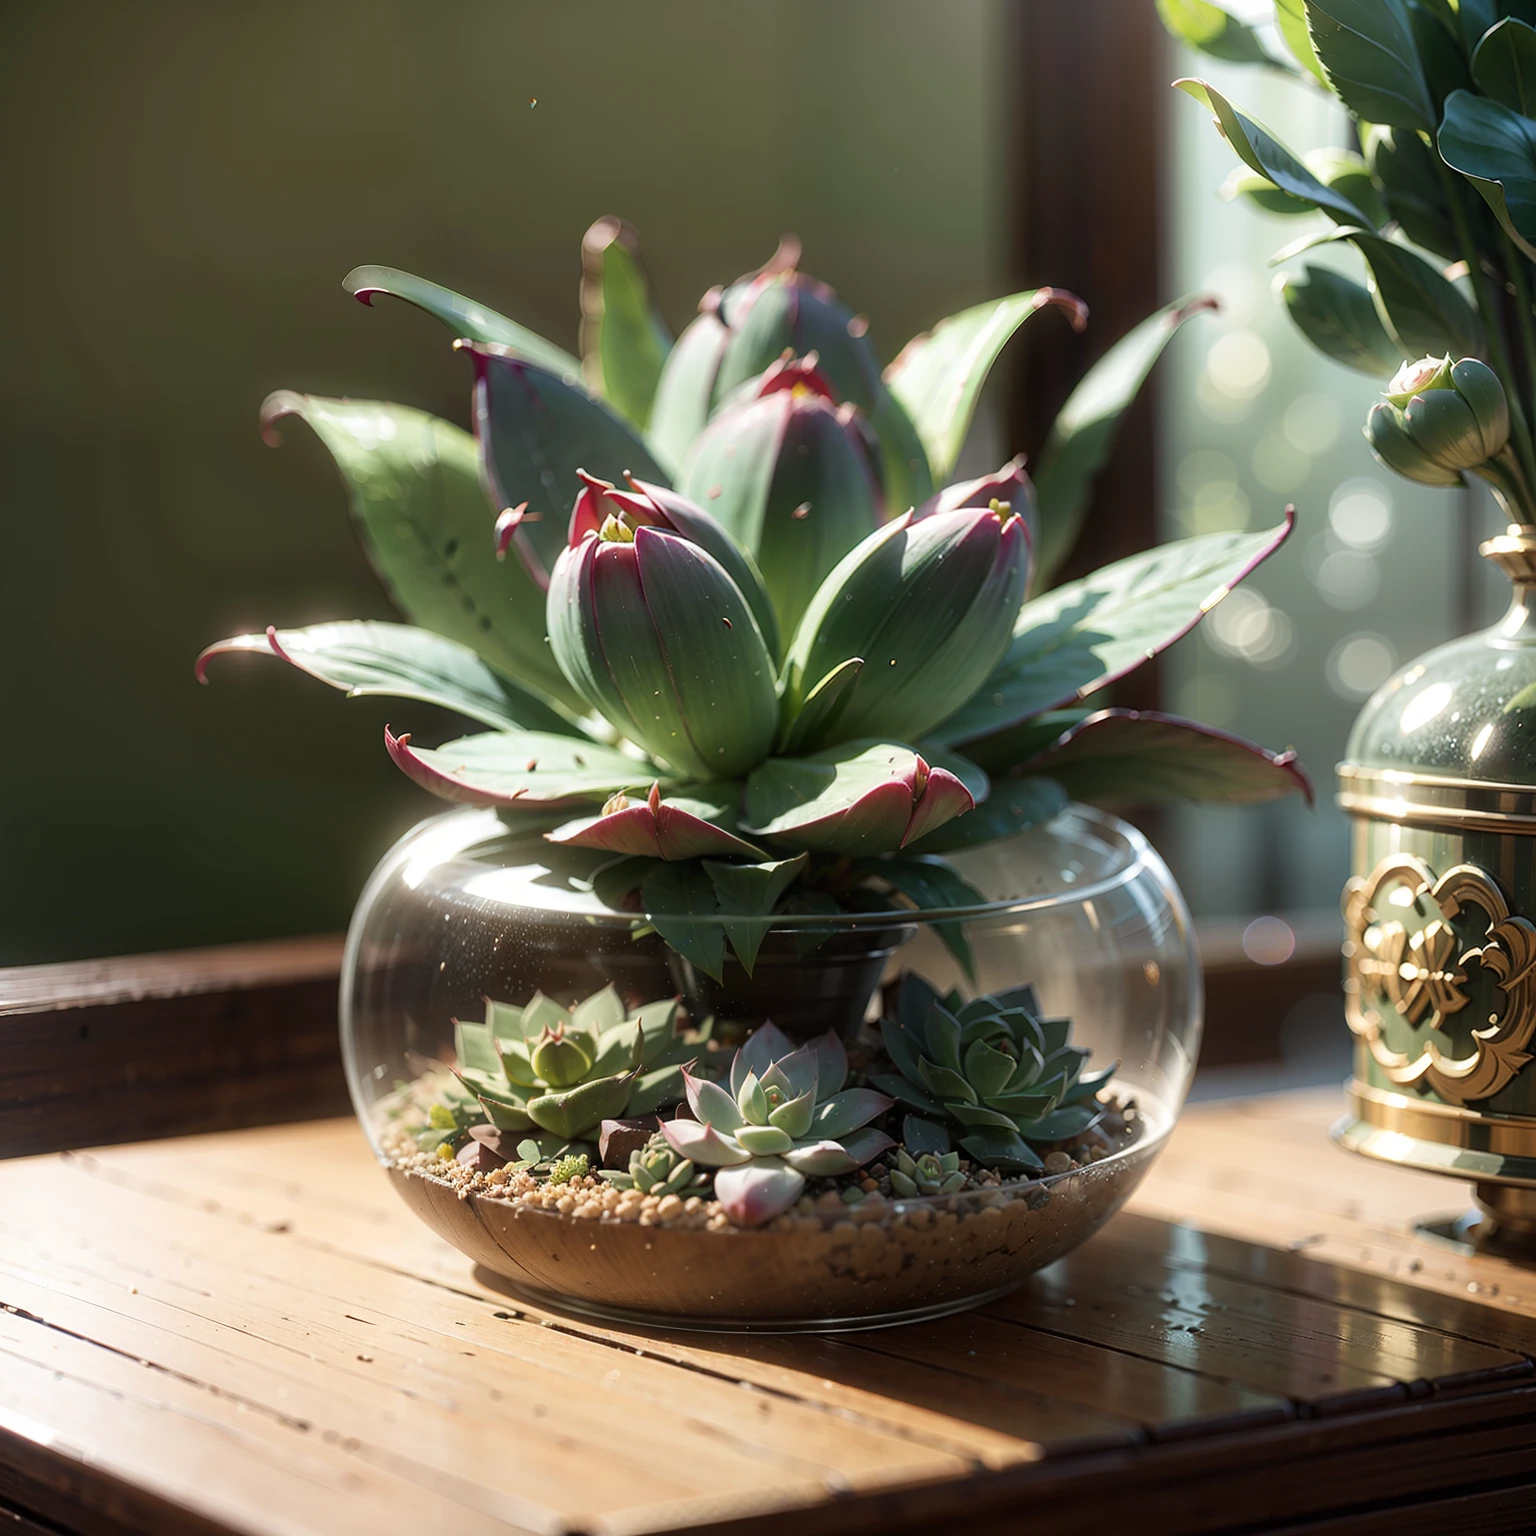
column 248, row 1332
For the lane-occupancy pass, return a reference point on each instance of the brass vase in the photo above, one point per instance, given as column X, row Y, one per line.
column 1440, row 948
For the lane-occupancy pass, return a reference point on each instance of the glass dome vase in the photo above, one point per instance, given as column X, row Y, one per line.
column 463, row 909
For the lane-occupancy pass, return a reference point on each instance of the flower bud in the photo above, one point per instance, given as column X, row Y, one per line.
column 791, row 475
column 654, row 506
column 1387, row 432
column 1454, row 415
column 928, row 603
column 653, row 633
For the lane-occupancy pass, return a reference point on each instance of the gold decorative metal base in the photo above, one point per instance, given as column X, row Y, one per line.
column 1497, row 1153
column 1438, row 1138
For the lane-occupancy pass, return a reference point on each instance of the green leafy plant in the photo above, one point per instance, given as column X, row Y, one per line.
column 566, row 1071
column 723, row 623
column 989, row 1073
column 1442, row 94
column 785, row 1116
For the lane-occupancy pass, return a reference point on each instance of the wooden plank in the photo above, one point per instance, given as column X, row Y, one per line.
column 158, row 1045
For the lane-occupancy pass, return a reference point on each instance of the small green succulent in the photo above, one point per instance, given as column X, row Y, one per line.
column 990, row 1073
column 566, row 1071
column 931, row 1173
column 659, row 1169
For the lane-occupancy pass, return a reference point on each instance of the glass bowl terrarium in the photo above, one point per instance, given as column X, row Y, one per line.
column 774, row 970
column 971, row 1093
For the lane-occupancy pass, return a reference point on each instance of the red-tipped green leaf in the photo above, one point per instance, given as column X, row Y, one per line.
column 1088, row 633
column 937, row 377
column 535, row 430
column 463, row 317
column 365, row 657
column 862, row 797
column 1083, row 435
column 1120, row 756
column 655, row 828
column 525, row 770
column 413, row 486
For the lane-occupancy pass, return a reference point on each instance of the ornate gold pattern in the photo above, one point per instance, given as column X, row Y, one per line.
column 1422, row 976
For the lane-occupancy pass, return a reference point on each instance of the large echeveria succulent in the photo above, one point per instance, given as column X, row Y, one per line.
column 786, row 1116
column 800, row 681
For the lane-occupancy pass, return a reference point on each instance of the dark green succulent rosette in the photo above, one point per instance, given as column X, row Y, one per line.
column 991, row 1075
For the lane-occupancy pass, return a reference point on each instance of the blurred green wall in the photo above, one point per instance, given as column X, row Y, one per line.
column 186, row 185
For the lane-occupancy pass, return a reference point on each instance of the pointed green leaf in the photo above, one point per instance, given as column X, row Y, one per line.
column 463, row 317
column 987, row 1068
column 535, row 430
column 1120, row 757
column 921, row 1137
column 1367, row 52
column 1069, row 1120
column 1261, row 151
column 905, row 472
column 413, row 486
column 652, row 1090
column 1424, row 310
column 367, row 658
column 1006, row 1151
column 526, row 770
column 1088, row 633
column 1339, row 318
column 1504, row 66
column 1004, row 754
column 1083, row 435
column 680, row 903
column 1291, row 20
column 474, row 1048
column 821, row 708
column 937, row 377
column 624, row 340
column 1014, row 806
column 748, row 891
column 1495, row 149
column 931, row 886
column 1209, row 29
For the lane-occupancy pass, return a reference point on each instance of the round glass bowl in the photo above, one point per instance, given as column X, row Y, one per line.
column 462, row 909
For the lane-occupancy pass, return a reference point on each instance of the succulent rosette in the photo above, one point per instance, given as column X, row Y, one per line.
column 784, row 1116
column 722, row 621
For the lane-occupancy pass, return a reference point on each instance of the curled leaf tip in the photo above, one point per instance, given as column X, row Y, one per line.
column 1077, row 310
column 280, row 403
column 1199, row 304
column 276, row 644
column 508, row 522
column 200, row 666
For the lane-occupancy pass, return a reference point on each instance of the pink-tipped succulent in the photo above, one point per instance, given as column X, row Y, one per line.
column 725, row 617
column 786, row 1117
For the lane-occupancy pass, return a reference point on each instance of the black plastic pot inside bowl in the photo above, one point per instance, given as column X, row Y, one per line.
column 804, row 980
